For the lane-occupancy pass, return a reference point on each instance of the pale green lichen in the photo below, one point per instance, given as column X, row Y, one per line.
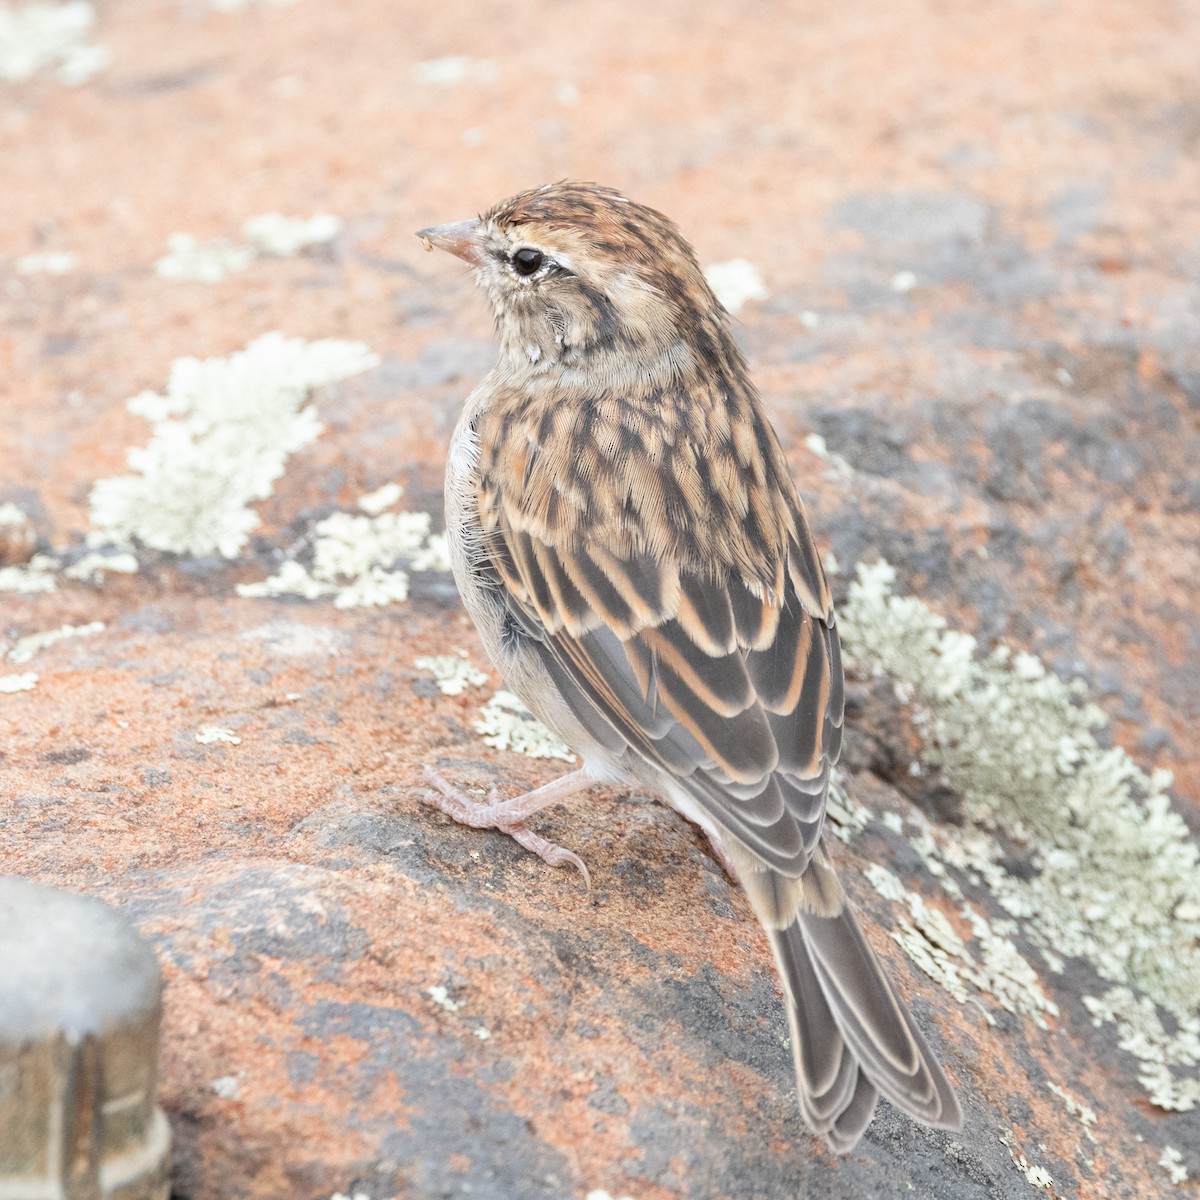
column 1140, row 1031
column 932, row 942
column 222, row 432
column 735, row 282
column 452, row 673
column 49, row 37
column 357, row 559
column 506, row 724
column 1117, row 879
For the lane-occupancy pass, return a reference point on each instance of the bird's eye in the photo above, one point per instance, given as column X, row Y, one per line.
column 526, row 261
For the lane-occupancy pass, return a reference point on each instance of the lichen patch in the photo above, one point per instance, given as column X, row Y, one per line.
column 223, row 430
column 37, row 38
column 361, row 561
column 1116, row 876
column 506, row 724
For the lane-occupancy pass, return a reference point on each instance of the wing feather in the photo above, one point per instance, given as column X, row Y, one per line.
column 667, row 666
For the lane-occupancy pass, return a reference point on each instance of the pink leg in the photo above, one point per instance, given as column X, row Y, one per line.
column 509, row 816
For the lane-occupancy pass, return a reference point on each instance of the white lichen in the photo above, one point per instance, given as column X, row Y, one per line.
column 452, row 673
column 23, row 649
column 454, row 68
column 357, row 556
column 442, row 998
column 284, row 237
column 434, row 554
column 735, row 283
column 10, row 684
column 235, row 5
column 1085, row 1115
column 846, row 816
column 1171, row 1161
column 37, row 575
column 190, row 259
column 49, row 37
column 271, row 234
column 227, row 1087
column 506, row 724
column 222, row 431
column 361, row 561
column 212, row 735
column 818, row 446
column 46, row 263
column 1116, row 879
column 382, row 498
column 1038, row 1176
column 92, row 566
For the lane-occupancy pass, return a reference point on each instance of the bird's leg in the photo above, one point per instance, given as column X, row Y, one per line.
column 509, row 816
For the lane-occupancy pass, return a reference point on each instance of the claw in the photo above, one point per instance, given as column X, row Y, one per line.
column 509, row 816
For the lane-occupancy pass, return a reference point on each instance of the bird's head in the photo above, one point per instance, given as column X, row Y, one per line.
column 583, row 280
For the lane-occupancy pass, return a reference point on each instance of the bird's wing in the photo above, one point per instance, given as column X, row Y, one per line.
column 677, row 600
column 732, row 687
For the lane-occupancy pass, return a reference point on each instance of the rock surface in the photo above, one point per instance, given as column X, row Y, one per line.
column 978, row 231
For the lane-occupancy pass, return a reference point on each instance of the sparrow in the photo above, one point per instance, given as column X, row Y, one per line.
column 628, row 540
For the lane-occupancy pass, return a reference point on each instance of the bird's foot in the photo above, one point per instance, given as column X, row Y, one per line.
column 509, row 816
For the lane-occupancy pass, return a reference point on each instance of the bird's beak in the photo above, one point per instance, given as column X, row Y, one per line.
column 460, row 238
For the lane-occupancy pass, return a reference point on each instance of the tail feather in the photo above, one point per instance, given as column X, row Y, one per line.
column 852, row 1037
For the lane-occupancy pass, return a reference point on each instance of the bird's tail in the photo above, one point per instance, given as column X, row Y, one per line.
column 852, row 1037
